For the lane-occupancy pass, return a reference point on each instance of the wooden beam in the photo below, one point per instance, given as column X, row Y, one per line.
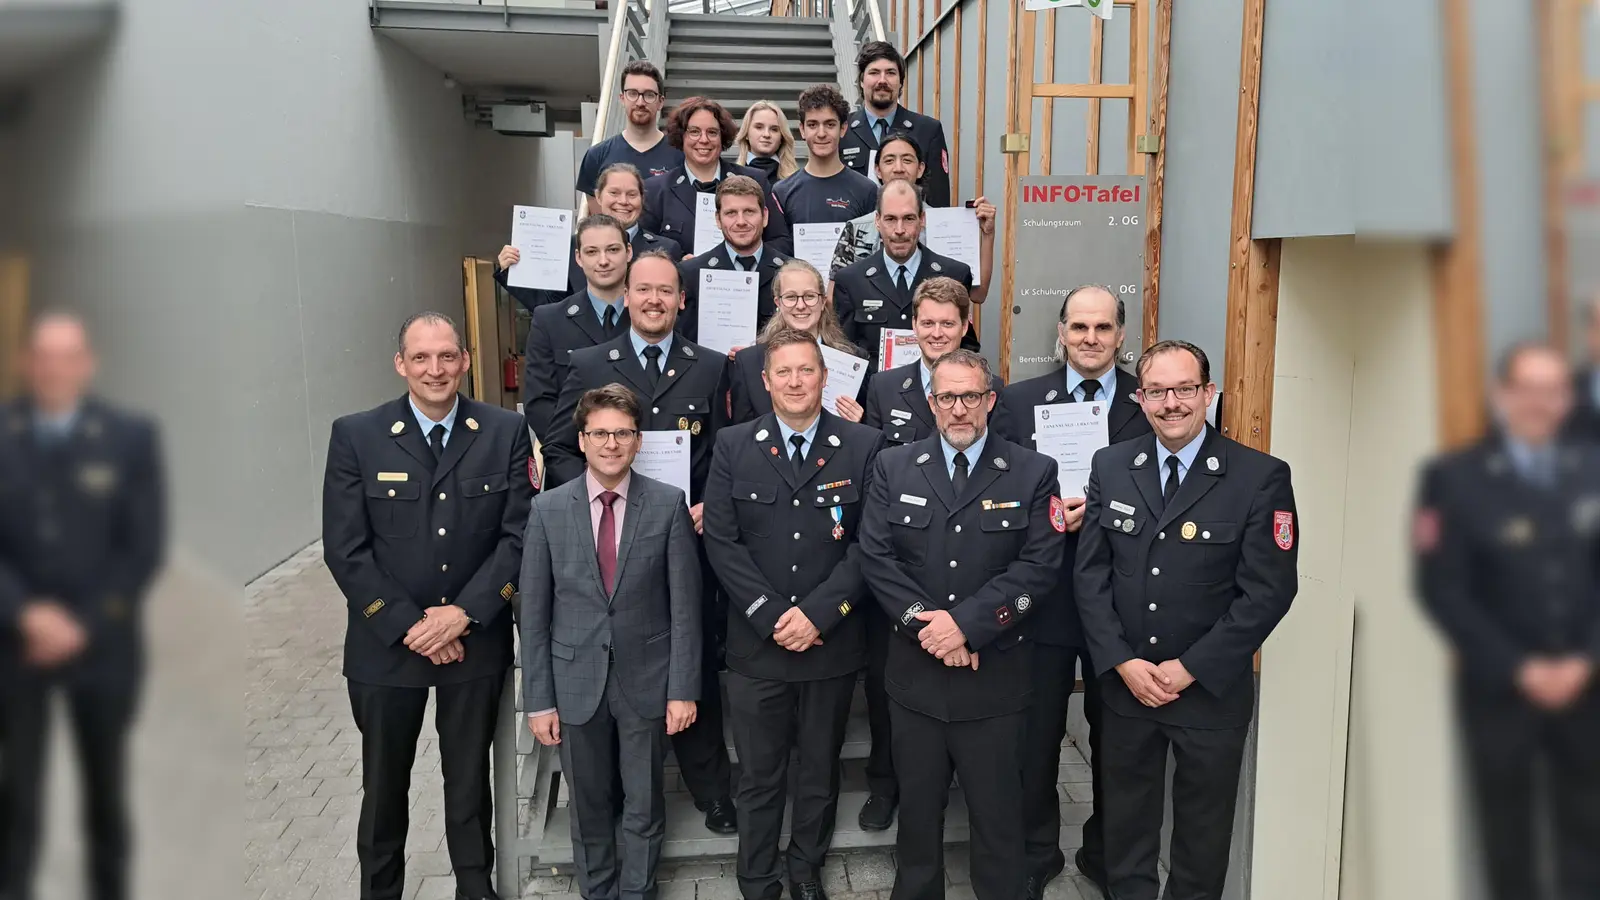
column 1020, row 121
column 1555, row 243
column 955, row 132
column 1458, row 266
column 13, row 319
column 1246, row 335
column 1157, row 186
column 1102, row 91
column 921, row 7
column 983, row 112
column 1252, row 348
column 1048, row 120
column 938, row 77
column 1139, row 76
column 1097, row 43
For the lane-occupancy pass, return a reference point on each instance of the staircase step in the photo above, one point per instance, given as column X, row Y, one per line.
column 688, row 839
column 795, row 23
column 725, row 90
column 679, row 51
column 771, row 69
column 761, row 35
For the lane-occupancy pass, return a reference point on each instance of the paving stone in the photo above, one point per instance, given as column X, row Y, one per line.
column 956, row 866
column 264, row 853
column 959, row 892
column 1086, row 889
column 723, row 888
column 1065, row 888
column 870, row 871
column 319, row 847
column 292, row 788
column 835, row 878
column 311, row 827
column 437, row 888
column 688, row 871
column 676, row 890
column 552, row 884
column 430, row 863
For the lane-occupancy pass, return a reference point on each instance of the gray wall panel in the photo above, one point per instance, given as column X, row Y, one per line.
column 1304, row 171
column 1402, row 136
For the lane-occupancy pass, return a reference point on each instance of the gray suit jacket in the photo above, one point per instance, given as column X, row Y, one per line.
column 649, row 628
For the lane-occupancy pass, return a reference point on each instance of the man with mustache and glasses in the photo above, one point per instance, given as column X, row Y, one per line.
column 682, row 387
column 618, row 193
column 961, row 539
column 1186, row 562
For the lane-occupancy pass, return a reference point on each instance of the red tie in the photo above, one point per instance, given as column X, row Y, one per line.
column 606, row 543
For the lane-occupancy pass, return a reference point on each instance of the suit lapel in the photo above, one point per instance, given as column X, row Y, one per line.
column 773, row 449
column 1124, row 406
column 580, row 312
column 1145, row 476
column 626, row 363
column 883, row 279
column 930, row 459
column 462, row 435
column 682, row 190
column 1199, row 481
column 862, row 126
column 674, row 366
column 916, row 398
column 931, row 266
column 630, row 527
column 410, row 436
column 583, row 523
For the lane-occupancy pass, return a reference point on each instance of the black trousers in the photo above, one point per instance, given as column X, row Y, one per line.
column 1055, row 675
column 390, row 720
column 702, row 749
column 984, row 754
column 1509, row 745
column 1205, row 789
column 616, row 746
column 770, row 719
column 880, row 760
column 101, row 714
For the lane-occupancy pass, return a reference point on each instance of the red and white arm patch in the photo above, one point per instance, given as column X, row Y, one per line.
column 1283, row 529
column 1058, row 514
column 1425, row 530
column 533, row 472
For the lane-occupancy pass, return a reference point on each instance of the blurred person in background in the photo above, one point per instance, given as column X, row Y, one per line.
column 765, row 141
column 1507, row 536
column 423, row 508
column 82, row 537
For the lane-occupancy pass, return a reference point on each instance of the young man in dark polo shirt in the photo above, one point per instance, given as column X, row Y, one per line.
column 825, row 190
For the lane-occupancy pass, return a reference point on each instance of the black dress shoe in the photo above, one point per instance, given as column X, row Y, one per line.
column 877, row 814
column 720, row 817
column 807, row 890
column 1096, row 874
column 1038, row 881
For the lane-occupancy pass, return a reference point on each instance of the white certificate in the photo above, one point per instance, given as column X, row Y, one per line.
column 846, row 371
column 815, row 243
column 1070, row 433
column 544, row 238
column 872, row 166
column 896, row 347
column 707, row 233
column 727, row 309
column 664, row 456
column 953, row 232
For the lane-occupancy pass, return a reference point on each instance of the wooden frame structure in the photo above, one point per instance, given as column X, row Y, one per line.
column 13, row 318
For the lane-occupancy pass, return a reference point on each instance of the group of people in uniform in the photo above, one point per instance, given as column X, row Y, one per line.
column 910, row 536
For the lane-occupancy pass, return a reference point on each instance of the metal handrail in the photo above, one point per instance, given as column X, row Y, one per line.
column 869, row 27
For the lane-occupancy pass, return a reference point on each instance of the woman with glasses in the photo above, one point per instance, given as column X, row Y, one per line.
column 802, row 306
column 702, row 129
column 765, row 141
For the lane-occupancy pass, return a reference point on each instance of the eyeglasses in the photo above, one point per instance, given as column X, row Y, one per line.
column 633, row 96
column 970, row 400
column 1182, row 392
column 809, row 298
column 621, row 435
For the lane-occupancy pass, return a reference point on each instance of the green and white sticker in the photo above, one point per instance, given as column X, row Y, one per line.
column 1101, row 8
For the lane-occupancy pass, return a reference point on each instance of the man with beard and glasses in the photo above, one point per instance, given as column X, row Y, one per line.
column 1088, row 338
column 881, row 71
column 618, row 193
column 1186, row 562
column 681, row 387
column 642, row 144
column 961, row 539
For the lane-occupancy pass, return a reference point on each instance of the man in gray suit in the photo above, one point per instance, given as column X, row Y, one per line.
column 611, row 642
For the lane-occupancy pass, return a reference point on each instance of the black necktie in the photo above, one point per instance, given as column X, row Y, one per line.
column 901, row 282
column 747, row 263
column 652, row 363
column 881, row 127
column 610, row 325
column 958, row 480
column 1170, row 489
column 798, row 457
column 1090, row 390
column 706, row 187
column 436, row 441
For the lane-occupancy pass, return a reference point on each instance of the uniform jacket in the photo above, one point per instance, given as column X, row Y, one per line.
column 771, row 539
column 402, row 531
column 84, row 525
column 1203, row 580
column 897, row 403
column 690, row 397
column 867, row 301
column 555, row 333
column 532, row 298
column 859, row 143
column 987, row 562
column 648, row 628
column 1058, row 624
column 718, row 260
column 669, row 207
column 747, row 393
column 1510, row 569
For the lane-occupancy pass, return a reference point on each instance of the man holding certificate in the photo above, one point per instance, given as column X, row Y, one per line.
column 1088, row 338
column 874, row 295
column 783, row 508
column 736, row 307
column 681, row 387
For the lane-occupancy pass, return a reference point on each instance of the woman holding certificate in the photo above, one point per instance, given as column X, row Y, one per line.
column 802, row 306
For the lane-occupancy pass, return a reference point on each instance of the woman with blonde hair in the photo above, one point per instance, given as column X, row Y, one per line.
column 765, row 141
column 803, row 306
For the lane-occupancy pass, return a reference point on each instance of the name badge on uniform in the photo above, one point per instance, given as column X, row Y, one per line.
column 871, row 304
column 914, row 501
column 1119, row 506
column 98, row 478
column 899, row 414
column 392, row 476
column 851, row 151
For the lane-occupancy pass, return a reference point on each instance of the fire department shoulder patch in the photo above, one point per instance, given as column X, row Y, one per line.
column 1283, row 529
column 1058, row 514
